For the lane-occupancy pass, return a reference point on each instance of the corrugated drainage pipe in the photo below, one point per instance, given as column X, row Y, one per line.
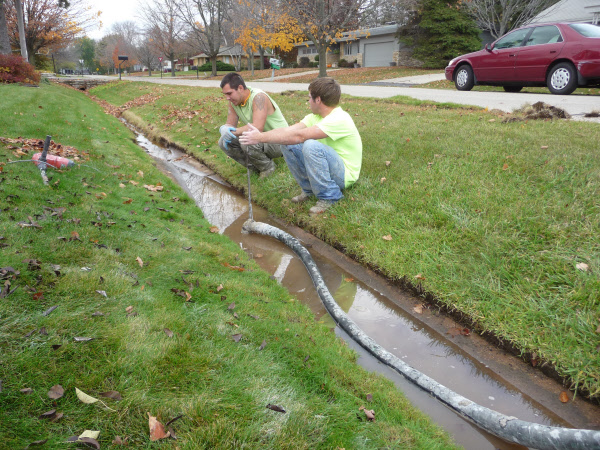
column 508, row 428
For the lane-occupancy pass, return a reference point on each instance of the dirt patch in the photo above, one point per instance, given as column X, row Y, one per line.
column 537, row 111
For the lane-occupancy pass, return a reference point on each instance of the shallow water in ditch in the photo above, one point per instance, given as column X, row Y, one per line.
column 379, row 316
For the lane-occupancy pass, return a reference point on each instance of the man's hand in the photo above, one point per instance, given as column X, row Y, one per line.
column 251, row 136
column 227, row 132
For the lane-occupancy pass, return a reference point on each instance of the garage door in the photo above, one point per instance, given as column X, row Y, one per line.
column 379, row 54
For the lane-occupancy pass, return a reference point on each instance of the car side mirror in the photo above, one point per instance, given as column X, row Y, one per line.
column 489, row 47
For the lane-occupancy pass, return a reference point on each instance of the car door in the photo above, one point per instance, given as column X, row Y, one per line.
column 543, row 46
column 498, row 64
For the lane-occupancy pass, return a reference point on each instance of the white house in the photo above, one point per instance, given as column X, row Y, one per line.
column 587, row 11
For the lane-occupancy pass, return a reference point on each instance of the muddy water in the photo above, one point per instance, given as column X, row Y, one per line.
column 384, row 313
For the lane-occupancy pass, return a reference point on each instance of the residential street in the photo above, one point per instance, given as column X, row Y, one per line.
column 576, row 105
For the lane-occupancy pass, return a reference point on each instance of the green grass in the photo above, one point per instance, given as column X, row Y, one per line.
column 491, row 218
column 92, row 246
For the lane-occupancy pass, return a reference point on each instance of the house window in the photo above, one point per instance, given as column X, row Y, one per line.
column 348, row 48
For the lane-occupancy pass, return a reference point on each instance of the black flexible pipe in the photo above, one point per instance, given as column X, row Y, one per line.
column 506, row 427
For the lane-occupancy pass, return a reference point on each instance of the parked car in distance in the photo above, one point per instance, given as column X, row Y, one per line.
column 561, row 56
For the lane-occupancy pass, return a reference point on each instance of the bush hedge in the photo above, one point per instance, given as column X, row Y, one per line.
column 221, row 66
column 15, row 69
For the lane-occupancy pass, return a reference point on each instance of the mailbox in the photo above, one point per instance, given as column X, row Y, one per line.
column 123, row 58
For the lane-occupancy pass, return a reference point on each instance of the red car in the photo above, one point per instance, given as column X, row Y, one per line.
column 561, row 56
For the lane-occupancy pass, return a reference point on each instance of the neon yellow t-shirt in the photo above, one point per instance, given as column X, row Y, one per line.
column 343, row 137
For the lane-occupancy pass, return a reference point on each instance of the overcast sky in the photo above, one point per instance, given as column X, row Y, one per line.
column 114, row 11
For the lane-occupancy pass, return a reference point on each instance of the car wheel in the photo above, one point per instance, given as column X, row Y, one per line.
column 464, row 80
column 512, row 88
column 562, row 79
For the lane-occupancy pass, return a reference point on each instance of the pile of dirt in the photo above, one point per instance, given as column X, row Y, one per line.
column 537, row 111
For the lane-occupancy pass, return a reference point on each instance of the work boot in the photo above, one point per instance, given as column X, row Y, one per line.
column 267, row 173
column 321, row 206
column 301, row 198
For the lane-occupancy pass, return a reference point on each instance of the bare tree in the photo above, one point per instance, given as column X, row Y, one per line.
column 324, row 20
column 164, row 27
column 205, row 21
column 146, row 53
column 501, row 16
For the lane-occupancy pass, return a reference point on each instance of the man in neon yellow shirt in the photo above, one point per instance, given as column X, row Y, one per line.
column 323, row 151
column 255, row 107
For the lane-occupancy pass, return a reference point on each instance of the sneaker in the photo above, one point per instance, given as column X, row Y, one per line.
column 321, row 206
column 267, row 173
column 301, row 198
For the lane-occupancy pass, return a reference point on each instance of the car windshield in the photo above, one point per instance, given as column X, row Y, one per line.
column 586, row 29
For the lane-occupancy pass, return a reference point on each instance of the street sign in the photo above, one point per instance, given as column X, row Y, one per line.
column 276, row 63
column 160, row 59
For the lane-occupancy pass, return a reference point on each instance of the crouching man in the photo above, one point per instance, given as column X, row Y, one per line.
column 255, row 107
column 323, row 151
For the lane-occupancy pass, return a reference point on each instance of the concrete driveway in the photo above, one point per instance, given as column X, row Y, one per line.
column 576, row 105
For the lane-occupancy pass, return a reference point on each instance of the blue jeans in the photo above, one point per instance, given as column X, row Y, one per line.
column 317, row 168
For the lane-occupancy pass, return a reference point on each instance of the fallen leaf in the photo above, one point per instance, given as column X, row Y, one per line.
column 382, row 180
column 214, row 229
column 82, row 339
column 129, row 309
column 26, row 391
column 419, row 277
column 263, row 345
column 56, row 392
column 157, row 430
column 237, row 337
column 387, row 163
column 103, row 293
column 544, row 147
column 505, row 166
column 370, row 414
column 582, row 266
column 118, row 441
column 49, row 310
column 140, row 262
column 168, row 332
column 90, row 442
column 387, row 237
column 89, row 434
column 47, row 414
column 57, row 417
column 219, row 288
column 276, row 408
column 369, row 397
column 111, row 394
column 231, row 306
column 418, row 309
column 563, row 397
column 37, row 443
column 84, row 397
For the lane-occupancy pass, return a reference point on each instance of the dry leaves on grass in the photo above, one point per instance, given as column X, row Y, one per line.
column 56, row 392
column 157, row 429
column 369, row 413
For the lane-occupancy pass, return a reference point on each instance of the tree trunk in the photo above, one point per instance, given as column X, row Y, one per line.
column 21, row 25
column 322, row 60
column 4, row 41
column 251, row 61
column 261, row 50
column 172, row 66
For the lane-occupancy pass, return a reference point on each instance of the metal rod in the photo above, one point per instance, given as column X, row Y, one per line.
column 249, row 191
column 43, row 160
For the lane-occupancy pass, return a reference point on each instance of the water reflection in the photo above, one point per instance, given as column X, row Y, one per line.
column 378, row 316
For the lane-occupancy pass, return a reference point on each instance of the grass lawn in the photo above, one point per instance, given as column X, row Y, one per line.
column 113, row 283
column 497, row 221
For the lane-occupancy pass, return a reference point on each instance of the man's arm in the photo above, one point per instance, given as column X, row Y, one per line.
column 260, row 110
column 232, row 117
column 296, row 134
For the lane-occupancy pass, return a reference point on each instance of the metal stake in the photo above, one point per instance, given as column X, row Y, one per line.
column 249, row 191
column 42, row 160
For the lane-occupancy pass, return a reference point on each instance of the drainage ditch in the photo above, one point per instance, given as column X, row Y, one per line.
column 423, row 338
